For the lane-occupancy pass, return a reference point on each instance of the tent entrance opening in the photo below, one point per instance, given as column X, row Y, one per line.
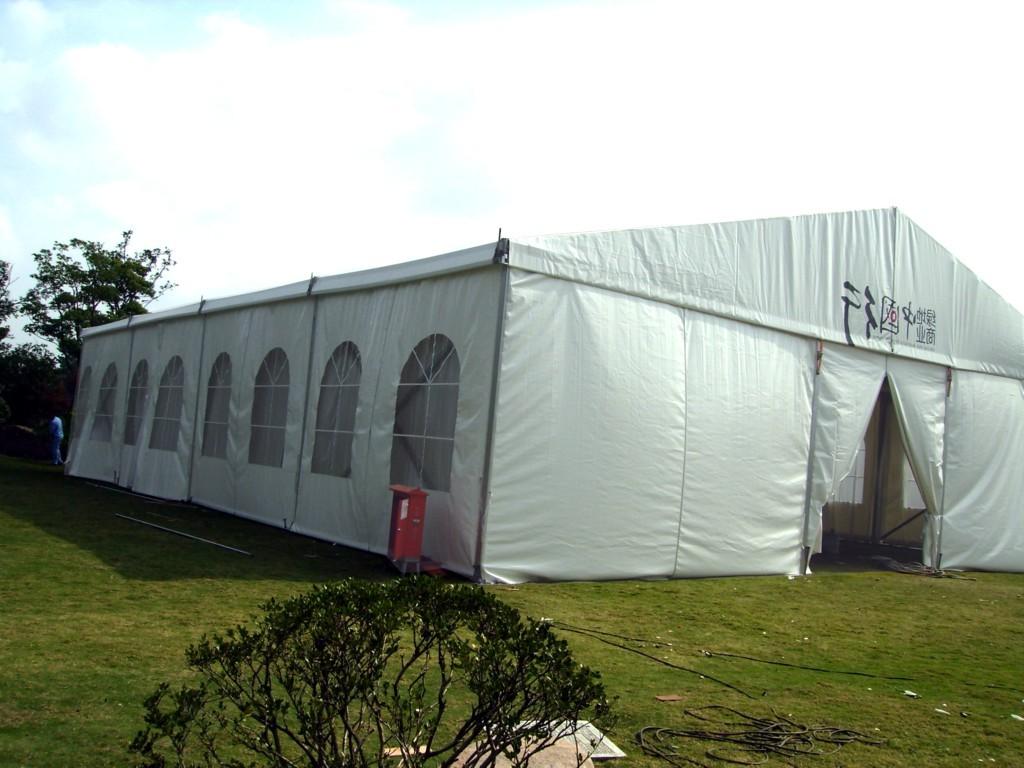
column 878, row 506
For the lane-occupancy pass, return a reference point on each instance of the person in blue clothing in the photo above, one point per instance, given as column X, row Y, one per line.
column 56, row 437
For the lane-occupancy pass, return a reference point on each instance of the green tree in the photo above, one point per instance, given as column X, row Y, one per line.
column 83, row 283
column 6, row 310
column 7, row 305
column 32, row 383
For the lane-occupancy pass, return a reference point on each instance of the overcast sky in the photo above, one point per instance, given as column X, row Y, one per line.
column 265, row 141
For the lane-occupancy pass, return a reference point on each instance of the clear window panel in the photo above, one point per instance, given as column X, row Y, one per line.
column 444, row 404
column 215, row 440
column 406, row 460
column 103, row 423
column 81, row 403
column 278, row 406
column 437, row 464
column 328, row 408
column 411, row 409
column 169, row 402
column 426, row 404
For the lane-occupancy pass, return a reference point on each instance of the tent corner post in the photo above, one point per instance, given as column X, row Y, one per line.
column 504, row 289
column 805, row 559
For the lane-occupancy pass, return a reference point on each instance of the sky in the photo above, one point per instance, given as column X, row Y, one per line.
column 267, row 141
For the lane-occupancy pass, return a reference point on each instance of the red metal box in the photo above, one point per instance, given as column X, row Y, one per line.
column 408, row 515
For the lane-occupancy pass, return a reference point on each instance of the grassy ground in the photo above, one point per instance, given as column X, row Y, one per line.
column 95, row 610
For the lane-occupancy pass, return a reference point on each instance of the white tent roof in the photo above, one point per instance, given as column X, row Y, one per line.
column 791, row 274
column 433, row 266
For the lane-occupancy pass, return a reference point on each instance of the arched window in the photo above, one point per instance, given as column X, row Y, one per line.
column 103, row 422
column 336, row 412
column 136, row 403
column 169, row 402
column 269, row 410
column 425, row 410
column 82, row 402
column 218, row 406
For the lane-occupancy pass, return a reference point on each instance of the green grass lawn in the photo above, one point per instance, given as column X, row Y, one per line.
column 96, row 610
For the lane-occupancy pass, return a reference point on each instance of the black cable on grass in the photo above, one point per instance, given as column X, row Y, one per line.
column 747, row 740
column 594, row 635
column 710, row 654
column 657, row 643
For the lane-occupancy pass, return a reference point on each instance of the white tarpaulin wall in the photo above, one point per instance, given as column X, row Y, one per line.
column 748, row 422
column 655, row 413
column 589, row 437
column 616, row 437
column 983, row 522
column 155, row 469
column 384, row 323
column 90, row 455
column 259, row 491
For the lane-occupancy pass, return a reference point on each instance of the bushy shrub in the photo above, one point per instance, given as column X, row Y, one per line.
column 366, row 674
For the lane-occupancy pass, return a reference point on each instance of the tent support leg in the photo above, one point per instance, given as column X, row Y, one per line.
column 195, row 411
column 305, row 409
column 805, row 545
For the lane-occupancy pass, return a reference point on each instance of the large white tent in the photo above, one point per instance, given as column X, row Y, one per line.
column 665, row 402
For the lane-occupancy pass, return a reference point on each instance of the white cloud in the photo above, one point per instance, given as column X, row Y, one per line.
column 363, row 13
column 32, row 18
column 14, row 81
column 36, row 148
column 6, row 230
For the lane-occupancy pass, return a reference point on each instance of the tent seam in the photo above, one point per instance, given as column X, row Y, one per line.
column 195, row 411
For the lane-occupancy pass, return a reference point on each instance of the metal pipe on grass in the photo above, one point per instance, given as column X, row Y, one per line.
column 186, row 535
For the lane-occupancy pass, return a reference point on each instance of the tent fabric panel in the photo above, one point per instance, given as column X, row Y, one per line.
column 785, row 273
column 268, row 492
column 258, row 491
column 919, row 398
column 589, row 435
column 96, row 459
column 847, row 389
column 215, row 479
column 339, row 508
column 983, row 521
column 748, row 427
column 159, row 472
column 463, row 307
